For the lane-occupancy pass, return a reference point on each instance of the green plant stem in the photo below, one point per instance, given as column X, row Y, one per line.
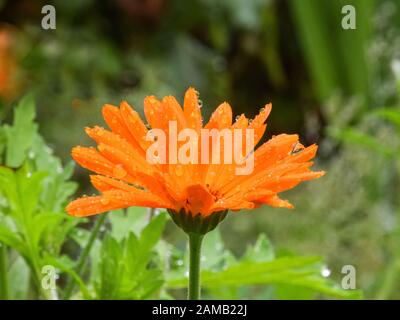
column 3, row 272
column 84, row 255
column 195, row 240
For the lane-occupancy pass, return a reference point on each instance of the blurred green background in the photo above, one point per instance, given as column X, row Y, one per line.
column 338, row 88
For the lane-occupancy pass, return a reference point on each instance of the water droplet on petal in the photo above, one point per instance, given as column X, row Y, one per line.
column 104, row 201
column 296, row 148
column 119, row 172
column 179, row 170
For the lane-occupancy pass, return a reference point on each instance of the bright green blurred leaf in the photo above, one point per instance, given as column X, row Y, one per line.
column 20, row 135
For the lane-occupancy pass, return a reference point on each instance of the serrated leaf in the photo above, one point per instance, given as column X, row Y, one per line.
column 134, row 219
column 20, row 135
column 12, row 240
column 261, row 251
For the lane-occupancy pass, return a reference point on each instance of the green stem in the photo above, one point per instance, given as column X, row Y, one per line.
column 84, row 255
column 195, row 240
column 3, row 272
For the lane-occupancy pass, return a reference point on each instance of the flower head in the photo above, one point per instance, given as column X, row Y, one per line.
column 125, row 177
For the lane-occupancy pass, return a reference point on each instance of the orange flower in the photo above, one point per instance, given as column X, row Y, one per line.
column 125, row 178
column 8, row 65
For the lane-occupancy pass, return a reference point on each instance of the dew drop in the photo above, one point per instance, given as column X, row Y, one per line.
column 179, row 170
column 296, row 148
column 119, row 172
column 104, row 201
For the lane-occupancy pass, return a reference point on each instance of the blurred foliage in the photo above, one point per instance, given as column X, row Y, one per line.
column 339, row 88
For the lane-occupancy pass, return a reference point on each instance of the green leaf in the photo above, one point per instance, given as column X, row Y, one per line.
column 134, row 219
column 42, row 222
column 8, row 187
column 29, row 189
column 354, row 136
column 111, row 271
column 151, row 234
column 19, row 136
column 12, row 240
column 261, row 251
column 56, row 187
column 214, row 255
column 20, row 276
column 139, row 250
column 298, row 271
column 129, row 268
column 390, row 114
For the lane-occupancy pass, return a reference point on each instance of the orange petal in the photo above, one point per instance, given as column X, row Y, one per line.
column 173, row 111
column 304, row 155
column 275, row 201
column 258, row 123
column 221, row 117
column 91, row 159
column 112, row 117
column 191, row 109
column 257, row 194
column 199, row 199
column 103, row 184
column 87, row 206
column 100, row 135
column 134, row 124
column 154, row 112
column 122, row 159
column 232, row 204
